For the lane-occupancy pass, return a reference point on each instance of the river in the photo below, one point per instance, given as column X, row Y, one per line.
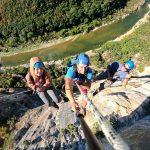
column 82, row 43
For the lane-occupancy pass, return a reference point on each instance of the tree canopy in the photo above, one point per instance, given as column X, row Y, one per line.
column 23, row 21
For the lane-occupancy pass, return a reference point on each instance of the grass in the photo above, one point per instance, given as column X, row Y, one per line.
column 137, row 42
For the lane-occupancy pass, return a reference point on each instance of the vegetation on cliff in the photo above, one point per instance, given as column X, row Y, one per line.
column 15, row 77
column 33, row 21
column 137, row 42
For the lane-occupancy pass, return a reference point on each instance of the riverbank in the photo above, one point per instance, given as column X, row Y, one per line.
column 43, row 45
column 137, row 25
column 119, row 15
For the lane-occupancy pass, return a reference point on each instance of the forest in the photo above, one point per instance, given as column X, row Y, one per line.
column 33, row 21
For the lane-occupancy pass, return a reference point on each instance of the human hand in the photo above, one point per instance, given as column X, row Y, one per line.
column 123, row 88
column 78, row 82
column 41, row 89
column 33, row 88
column 74, row 106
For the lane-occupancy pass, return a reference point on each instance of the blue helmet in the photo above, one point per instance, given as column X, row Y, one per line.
column 38, row 65
column 130, row 64
column 83, row 59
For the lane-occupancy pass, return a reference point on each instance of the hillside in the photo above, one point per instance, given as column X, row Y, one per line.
column 135, row 45
column 29, row 22
column 134, row 42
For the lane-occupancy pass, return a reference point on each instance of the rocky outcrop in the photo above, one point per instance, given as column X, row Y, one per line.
column 124, row 106
column 42, row 133
column 138, row 134
column 40, row 127
column 49, row 131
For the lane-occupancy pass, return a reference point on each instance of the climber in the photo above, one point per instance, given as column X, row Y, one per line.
column 81, row 73
column 115, row 71
column 39, row 80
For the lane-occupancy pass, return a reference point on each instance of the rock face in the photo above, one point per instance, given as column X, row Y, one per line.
column 138, row 134
column 42, row 133
column 40, row 127
column 49, row 132
column 125, row 108
column 12, row 105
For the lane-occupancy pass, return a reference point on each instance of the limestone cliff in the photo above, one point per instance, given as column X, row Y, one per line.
column 39, row 127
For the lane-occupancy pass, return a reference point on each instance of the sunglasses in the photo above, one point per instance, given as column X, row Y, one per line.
column 126, row 68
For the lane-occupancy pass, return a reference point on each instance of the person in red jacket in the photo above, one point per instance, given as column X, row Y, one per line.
column 39, row 80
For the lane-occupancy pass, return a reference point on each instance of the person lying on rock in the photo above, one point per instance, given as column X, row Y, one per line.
column 39, row 80
column 81, row 73
column 115, row 71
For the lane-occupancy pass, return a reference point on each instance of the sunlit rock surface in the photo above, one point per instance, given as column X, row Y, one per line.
column 126, row 108
column 40, row 127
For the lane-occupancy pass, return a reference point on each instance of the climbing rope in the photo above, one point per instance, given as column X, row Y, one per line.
column 111, row 135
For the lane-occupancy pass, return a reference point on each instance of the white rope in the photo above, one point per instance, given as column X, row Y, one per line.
column 111, row 135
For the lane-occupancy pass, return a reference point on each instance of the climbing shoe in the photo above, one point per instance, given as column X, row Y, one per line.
column 101, row 87
column 95, row 92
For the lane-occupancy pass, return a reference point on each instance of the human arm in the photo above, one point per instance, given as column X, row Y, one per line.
column 30, row 82
column 44, row 82
column 48, row 81
column 126, row 80
column 69, row 93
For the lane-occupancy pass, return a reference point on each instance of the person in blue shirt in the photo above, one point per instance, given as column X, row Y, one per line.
column 116, row 71
column 81, row 73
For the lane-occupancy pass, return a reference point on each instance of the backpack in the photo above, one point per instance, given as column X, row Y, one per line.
column 72, row 62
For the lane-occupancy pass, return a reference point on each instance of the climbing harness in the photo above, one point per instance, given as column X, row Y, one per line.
column 111, row 135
